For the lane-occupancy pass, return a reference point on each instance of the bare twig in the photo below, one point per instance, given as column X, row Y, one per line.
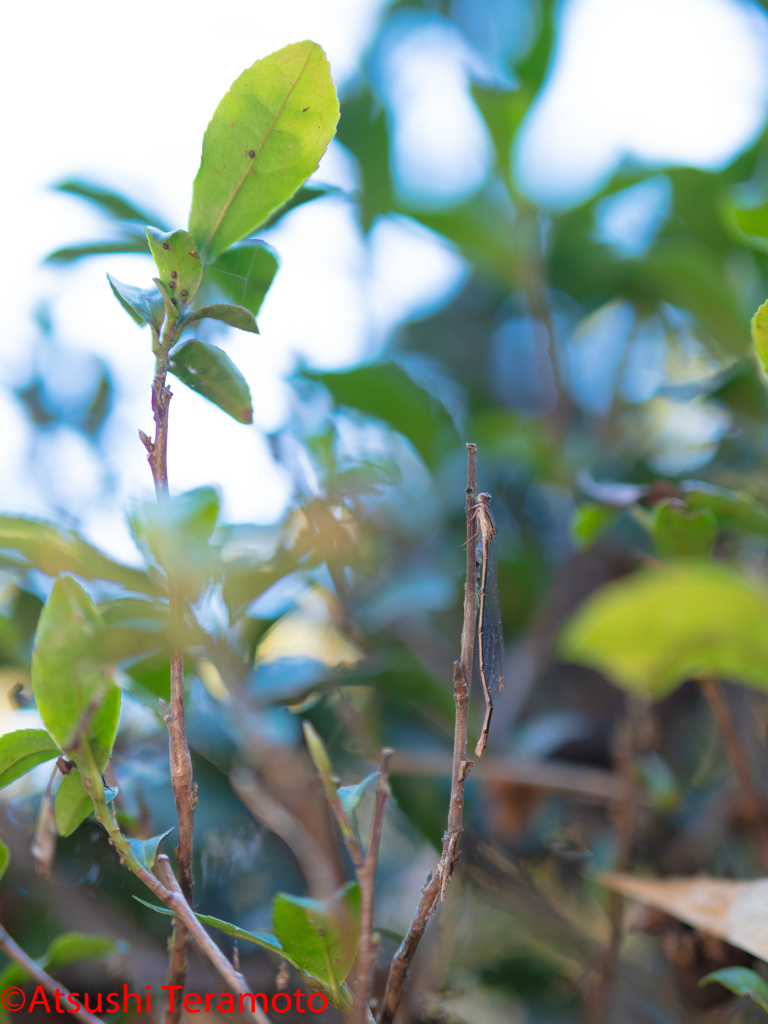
column 320, row 875
column 434, row 888
column 366, row 877
column 17, row 954
column 184, row 790
column 751, row 804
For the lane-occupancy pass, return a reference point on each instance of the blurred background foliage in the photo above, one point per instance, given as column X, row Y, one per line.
column 599, row 357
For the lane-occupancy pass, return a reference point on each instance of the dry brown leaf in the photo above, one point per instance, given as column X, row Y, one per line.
column 734, row 911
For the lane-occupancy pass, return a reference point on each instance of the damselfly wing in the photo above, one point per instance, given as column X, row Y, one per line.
column 490, row 635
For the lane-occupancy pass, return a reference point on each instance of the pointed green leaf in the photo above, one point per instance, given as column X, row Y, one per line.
column 760, row 335
column 678, row 533
column 235, row 316
column 320, row 936
column 651, row 631
column 212, row 374
column 266, row 941
column 145, row 306
column 589, row 521
column 5, row 858
column 72, row 683
column 735, row 510
column 110, row 202
column 170, row 301
column 243, row 274
column 145, row 850
column 73, row 805
column 22, row 750
column 178, row 262
column 321, row 760
column 352, row 796
column 130, row 244
column 264, row 140
column 742, row 982
column 55, row 551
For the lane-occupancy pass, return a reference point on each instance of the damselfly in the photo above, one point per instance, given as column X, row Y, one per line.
column 490, row 637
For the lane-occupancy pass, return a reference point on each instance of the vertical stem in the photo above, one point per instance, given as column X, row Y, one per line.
column 184, row 790
column 434, row 888
column 366, row 877
column 750, row 799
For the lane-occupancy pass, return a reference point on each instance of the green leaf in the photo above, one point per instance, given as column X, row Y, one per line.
column 143, row 305
column 266, row 941
column 651, row 631
column 678, row 533
column 55, row 551
column 107, row 201
column 742, row 982
column 235, row 316
column 22, row 750
column 243, row 274
column 352, row 796
column 735, row 510
column 72, row 684
column 69, row 948
column 321, row 937
column 211, row 373
column 73, row 805
column 760, row 335
column 130, row 244
column 145, row 850
column 177, row 260
column 5, row 858
column 385, row 390
column 589, row 521
column 264, row 140
column 320, row 759
column 660, row 783
column 170, row 301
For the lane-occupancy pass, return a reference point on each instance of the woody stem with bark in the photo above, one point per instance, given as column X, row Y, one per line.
column 366, row 877
column 751, row 804
column 435, row 886
column 184, row 790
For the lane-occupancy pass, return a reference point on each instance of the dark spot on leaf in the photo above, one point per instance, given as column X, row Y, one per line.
column 194, row 255
column 232, row 124
column 304, row 112
column 184, row 292
column 251, row 153
column 174, row 273
column 173, row 300
column 172, row 284
column 166, row 246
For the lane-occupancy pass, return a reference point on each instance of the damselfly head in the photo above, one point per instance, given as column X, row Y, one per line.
column 484, row 498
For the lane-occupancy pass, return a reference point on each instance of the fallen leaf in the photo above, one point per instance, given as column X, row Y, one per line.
column 733, row 911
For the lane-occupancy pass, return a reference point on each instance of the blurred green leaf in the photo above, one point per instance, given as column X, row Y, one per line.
column 266, row 941
column 133, row 243
column 177, row 260
column 321, row 937
column 352, row 796
column 243, row 274
column 5, row 858
column 660, row 783
column 264, row 140
column 73, row 686
column 589, row 521
column 211, row 373
column 145, row 306
column 742, row 982
column 22, row 750
column 653, row 630
column 69, row 948
column 235, row 316
column 73, row 805
column 109, row 202
column 363, row 130
column 678, row 533
column 385, row 391
column 760, row 334
column 736, row 511
column 145, row 850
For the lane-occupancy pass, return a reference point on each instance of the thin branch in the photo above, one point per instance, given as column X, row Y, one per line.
column 318, row 872
column 751, row 804
column 184, row 790
column 167, row 890
column 366, row 877
column 434, row 888
column 17, row 954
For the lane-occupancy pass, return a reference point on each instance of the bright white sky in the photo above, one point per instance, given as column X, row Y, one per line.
column 90, row 89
